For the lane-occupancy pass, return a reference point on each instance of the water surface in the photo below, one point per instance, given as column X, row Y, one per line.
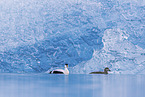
column 73, row 85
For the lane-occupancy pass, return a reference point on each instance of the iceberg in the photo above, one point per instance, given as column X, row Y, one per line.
column 89, row 35
column 119, row 54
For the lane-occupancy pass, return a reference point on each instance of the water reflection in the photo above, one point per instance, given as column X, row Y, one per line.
column 44, row 85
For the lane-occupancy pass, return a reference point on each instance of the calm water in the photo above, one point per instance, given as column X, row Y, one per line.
column 45, row 85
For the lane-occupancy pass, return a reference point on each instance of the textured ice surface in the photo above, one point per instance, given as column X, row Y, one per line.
column 36, row 35
column 118, row 53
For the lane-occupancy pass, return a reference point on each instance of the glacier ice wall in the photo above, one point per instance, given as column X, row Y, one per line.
column 119, row 54
column 37, row 35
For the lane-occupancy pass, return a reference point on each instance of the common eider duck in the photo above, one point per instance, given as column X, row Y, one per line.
column 99, row 72
column 61, row 71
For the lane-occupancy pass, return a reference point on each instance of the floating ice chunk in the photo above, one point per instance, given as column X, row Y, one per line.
column 120, row 55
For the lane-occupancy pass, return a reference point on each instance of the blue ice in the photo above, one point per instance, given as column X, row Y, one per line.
column 89, row 35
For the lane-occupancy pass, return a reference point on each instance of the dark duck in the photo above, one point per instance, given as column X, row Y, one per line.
column 100, row 72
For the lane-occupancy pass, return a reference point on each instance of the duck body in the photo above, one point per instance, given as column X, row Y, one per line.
column 57, row 71
column 60, row 71
column 99, row 72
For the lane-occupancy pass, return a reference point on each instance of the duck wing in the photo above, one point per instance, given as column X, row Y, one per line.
column 99, row 72
column 58, row 71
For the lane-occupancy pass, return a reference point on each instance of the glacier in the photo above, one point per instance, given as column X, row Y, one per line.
column 89, row 35
column 119, row 54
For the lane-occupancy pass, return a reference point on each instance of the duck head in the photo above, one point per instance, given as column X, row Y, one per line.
column 66, row 66
column 106, row 70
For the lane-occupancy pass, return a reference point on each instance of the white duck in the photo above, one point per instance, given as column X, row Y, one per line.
column 61, row 71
